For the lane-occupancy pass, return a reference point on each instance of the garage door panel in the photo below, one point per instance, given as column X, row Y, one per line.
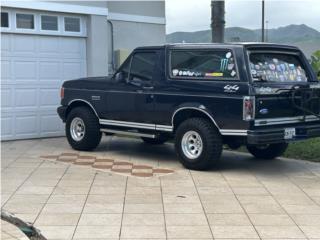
column 7, row 123
column 33, row 69
column 50, row 124
column 73, row 70
column 49, row 97
column 25, row 70
column 49, row 70
column 26, row 125
column 5, row 70
column 5, row 44
column 6, row 97
column 73, row 48
column 49, row 45
column 26, row 97
column 24, row 45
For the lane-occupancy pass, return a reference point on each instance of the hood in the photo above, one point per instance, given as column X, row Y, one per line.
column 89, row 83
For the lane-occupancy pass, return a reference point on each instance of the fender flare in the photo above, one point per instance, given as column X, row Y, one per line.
column 83, row 101
column 196, row 107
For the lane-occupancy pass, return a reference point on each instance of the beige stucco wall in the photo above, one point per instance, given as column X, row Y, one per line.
column 144, row 8
column 127, row 34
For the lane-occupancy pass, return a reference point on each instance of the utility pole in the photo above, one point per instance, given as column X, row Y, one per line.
column 262, row 22
column 217, row 20
column 267, row 31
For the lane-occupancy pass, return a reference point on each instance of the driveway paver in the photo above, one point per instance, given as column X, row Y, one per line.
column 242, row 199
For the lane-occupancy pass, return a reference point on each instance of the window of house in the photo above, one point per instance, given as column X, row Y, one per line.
column 49, row 23
column 4, row 19
column 142, row 66
column 71, row 24
column 203, row 64
column 25, row 21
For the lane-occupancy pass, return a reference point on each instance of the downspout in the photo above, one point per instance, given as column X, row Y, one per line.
column 112, row 46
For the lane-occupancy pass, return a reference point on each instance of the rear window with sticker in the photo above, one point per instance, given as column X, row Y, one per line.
column 204, row 64
column 277, row 67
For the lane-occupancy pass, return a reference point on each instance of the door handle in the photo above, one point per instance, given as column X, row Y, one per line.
column 147, row 87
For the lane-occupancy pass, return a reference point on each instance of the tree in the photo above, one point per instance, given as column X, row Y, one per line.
column 315, row 62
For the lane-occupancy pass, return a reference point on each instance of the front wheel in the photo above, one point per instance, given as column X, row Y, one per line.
column 268, row 151
column 82, row 129
column 198, row 144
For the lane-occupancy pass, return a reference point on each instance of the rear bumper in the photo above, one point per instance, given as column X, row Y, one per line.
column 277, row 135
column 62, row 110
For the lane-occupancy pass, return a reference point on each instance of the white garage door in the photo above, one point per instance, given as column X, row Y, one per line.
column 33, row 69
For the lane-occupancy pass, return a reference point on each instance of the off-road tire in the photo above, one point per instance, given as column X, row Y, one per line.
column 269, row 152
column 154, row 141
column 92, row 136
column 211, row 143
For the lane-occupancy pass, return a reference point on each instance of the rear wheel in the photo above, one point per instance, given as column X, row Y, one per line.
column 198, row 144
column 82, row 129
column 268, row 151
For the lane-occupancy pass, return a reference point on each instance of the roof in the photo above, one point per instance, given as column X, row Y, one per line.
column 208, row 45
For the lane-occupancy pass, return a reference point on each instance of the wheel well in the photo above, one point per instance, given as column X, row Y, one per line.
column 79, row 104
column 185, row 114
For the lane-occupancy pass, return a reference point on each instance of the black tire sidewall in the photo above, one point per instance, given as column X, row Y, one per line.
column 211, row 142
column 92, row 134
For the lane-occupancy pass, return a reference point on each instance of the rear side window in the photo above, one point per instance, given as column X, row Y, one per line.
column 277, row 67
column 142, row 66
column 203, row 64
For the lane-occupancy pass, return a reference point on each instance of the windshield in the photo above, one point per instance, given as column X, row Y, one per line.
column 277, row 67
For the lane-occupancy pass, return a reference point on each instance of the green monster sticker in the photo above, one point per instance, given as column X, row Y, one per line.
column 224, row 64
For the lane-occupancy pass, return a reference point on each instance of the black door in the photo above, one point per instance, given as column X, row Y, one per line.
column 133, row 99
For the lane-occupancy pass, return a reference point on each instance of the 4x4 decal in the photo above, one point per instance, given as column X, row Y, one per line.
column 231, row 88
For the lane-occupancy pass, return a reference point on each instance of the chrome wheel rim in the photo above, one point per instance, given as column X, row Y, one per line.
column 77, row 129
column 192, row 145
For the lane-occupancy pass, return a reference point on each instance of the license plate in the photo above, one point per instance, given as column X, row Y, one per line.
column 289, row 133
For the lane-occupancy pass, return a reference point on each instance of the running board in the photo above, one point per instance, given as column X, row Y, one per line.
column 136, row 134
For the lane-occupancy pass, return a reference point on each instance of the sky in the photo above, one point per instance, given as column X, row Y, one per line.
column 194, row 15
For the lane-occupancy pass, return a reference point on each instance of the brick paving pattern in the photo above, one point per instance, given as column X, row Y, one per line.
column 127, row 168
column 243, row 199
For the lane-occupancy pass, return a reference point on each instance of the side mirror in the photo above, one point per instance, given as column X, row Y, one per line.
column 118, row 77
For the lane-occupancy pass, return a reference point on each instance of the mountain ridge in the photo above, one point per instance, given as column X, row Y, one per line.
column 303, row 36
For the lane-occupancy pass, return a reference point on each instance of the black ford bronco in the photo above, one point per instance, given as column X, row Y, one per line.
column 259, row 95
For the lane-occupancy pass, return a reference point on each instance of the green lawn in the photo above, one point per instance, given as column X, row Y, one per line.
column 307, row 150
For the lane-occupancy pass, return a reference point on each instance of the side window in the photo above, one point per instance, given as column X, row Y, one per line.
column 203, row 64
column 124, row 70
column 142, row 66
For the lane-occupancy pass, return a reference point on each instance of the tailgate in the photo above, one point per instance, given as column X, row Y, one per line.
column 299, row 104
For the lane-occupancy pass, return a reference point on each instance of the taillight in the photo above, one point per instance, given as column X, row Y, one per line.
column 62, row 93
column 248, row 108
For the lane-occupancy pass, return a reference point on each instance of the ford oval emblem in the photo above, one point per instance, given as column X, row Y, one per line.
column 264, row 111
